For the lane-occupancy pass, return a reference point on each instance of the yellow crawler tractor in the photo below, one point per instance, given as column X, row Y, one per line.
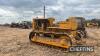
column 92, row 25
column 61, row 34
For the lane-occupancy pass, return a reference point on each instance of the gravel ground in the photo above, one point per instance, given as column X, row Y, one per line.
column 15, row 42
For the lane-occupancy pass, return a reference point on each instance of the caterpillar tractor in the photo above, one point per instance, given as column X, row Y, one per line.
column 92, row 25
column 60, row 34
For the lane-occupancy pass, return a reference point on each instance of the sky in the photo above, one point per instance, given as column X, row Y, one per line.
column 26, row 10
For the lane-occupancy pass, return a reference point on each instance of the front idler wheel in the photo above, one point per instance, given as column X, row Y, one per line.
column 31, row 36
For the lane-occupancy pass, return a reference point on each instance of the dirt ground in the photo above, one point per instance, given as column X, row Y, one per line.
column 15, row 42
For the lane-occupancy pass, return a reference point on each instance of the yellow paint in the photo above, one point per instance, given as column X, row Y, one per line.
column 50, row 42
column 69, row 26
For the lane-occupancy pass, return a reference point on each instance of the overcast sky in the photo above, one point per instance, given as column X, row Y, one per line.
column 19, row 10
